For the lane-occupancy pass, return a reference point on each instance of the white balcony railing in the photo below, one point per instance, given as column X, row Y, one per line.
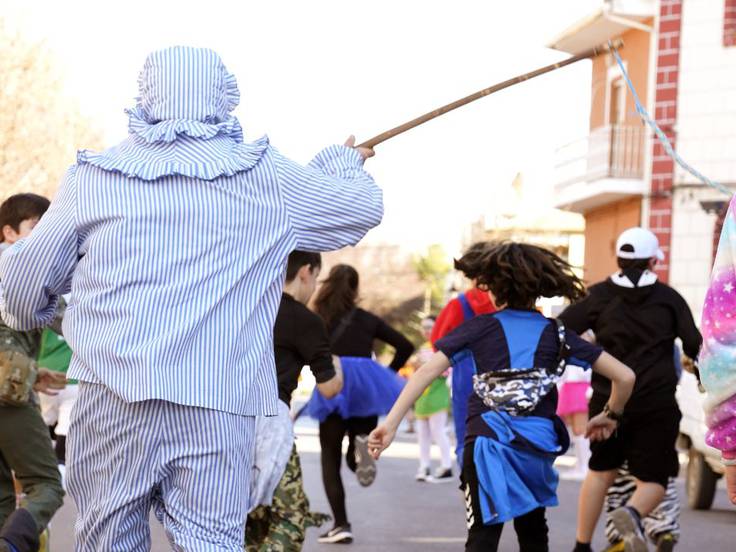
column 616, row 151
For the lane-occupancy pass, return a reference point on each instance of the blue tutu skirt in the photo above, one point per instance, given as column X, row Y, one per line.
column 369, row 389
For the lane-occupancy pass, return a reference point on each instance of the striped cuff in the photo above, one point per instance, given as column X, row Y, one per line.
column 336, row 159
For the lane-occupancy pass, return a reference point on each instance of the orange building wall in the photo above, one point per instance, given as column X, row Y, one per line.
column 602, row 228
column 636, row 53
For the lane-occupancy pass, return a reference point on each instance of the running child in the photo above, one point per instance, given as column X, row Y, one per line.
column 462, row 308
column 512, row 432
column 280, row 511
column 368, row 392
column 430, row 412
column 573, row 409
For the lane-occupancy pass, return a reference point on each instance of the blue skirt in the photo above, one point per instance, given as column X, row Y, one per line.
column 369, row 389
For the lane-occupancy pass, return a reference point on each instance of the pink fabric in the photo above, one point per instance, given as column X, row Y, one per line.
column 722, row 428
column 573, row 398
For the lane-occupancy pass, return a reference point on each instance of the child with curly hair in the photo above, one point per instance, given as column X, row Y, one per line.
column 513, row 434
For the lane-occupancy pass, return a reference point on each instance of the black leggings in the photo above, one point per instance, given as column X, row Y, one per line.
column 531, row 529
column 331, row 433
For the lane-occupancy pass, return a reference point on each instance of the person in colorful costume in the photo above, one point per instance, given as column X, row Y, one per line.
column 509, row 452
column 174, row 245
column 462, row 308
column 716, row 363
column 368, row 392
column 430, row 412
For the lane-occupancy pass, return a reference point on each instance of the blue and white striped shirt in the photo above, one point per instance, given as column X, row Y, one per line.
column 175, row 280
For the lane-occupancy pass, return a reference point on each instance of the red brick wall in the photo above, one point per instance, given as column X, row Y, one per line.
column 729, row 23
column 665, row 113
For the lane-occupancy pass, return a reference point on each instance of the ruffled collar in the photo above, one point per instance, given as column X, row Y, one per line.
column 168, row 130
column 188, row 156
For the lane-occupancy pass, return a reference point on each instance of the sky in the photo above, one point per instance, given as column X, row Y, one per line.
column 311, row 73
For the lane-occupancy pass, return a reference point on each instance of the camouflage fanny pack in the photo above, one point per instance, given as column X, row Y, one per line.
column 518, row 392
column 18, row 373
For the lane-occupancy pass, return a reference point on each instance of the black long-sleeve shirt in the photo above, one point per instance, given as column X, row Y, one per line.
column 300, row 339
column 357, row 338
column 638, row 326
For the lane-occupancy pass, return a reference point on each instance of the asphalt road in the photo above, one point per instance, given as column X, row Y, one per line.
column 399, row 514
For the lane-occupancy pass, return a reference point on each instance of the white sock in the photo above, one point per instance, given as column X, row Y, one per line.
column 582, row 453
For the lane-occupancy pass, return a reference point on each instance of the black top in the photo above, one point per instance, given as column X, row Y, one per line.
column 517, row 340
column 300, row 339
column 638, row 326
column 356, row 340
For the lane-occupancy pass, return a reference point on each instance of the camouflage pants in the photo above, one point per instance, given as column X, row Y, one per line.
column 281, row 527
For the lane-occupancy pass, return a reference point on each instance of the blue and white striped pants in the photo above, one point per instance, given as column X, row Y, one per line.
column 191, row 465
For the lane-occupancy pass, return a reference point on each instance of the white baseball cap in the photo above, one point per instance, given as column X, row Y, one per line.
column 638, row 243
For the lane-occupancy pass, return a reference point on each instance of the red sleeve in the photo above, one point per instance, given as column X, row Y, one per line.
column 449, row 318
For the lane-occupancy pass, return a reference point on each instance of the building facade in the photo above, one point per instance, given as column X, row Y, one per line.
column 681, row 57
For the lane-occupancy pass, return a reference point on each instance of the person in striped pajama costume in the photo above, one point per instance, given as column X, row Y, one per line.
column 174, row 246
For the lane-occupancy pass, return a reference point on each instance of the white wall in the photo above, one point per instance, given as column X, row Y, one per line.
column 692, row 243
column 706, row 104
column 706, row 128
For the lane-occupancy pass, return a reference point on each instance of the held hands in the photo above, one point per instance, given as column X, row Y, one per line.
column 600, row 427
column 365, row 153
column 49, row 382
column 379, row 440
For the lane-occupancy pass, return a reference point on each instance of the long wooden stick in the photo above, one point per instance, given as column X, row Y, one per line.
column 485, row 92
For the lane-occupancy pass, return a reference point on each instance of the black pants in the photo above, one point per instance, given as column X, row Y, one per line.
column 531, row 529
column 331, row 433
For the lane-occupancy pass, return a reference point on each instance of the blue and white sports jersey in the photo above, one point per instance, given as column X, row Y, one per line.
column 514, row 339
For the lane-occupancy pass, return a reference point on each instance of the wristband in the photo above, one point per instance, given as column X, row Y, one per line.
column 728, row 461
column 613, row 415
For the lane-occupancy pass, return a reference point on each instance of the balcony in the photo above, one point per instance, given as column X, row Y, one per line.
column 605, row 166
column 610, row 19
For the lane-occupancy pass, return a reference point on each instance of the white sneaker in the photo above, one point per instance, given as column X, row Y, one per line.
column 422, row 474
column 443, row 475
column 337, row 535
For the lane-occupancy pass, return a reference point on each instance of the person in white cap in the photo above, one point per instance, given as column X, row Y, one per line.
column 637, row 319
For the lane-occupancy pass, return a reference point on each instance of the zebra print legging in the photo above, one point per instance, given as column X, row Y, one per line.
column 664, row 519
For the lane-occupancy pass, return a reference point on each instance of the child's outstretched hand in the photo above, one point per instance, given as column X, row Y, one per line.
column 600, row 427
column 379, row 440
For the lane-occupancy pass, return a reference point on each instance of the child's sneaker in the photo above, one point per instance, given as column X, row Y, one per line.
column 365, row 465
column 443, row 475
column 626, row 521
column 617, row 546
column 422, row 474
column 337, row 535
column 666, row 543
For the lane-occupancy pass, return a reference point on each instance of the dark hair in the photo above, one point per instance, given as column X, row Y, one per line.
column 338, row 294
column 635, row 264
column 20, row 207
column 518, row 273
column 298, row 259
